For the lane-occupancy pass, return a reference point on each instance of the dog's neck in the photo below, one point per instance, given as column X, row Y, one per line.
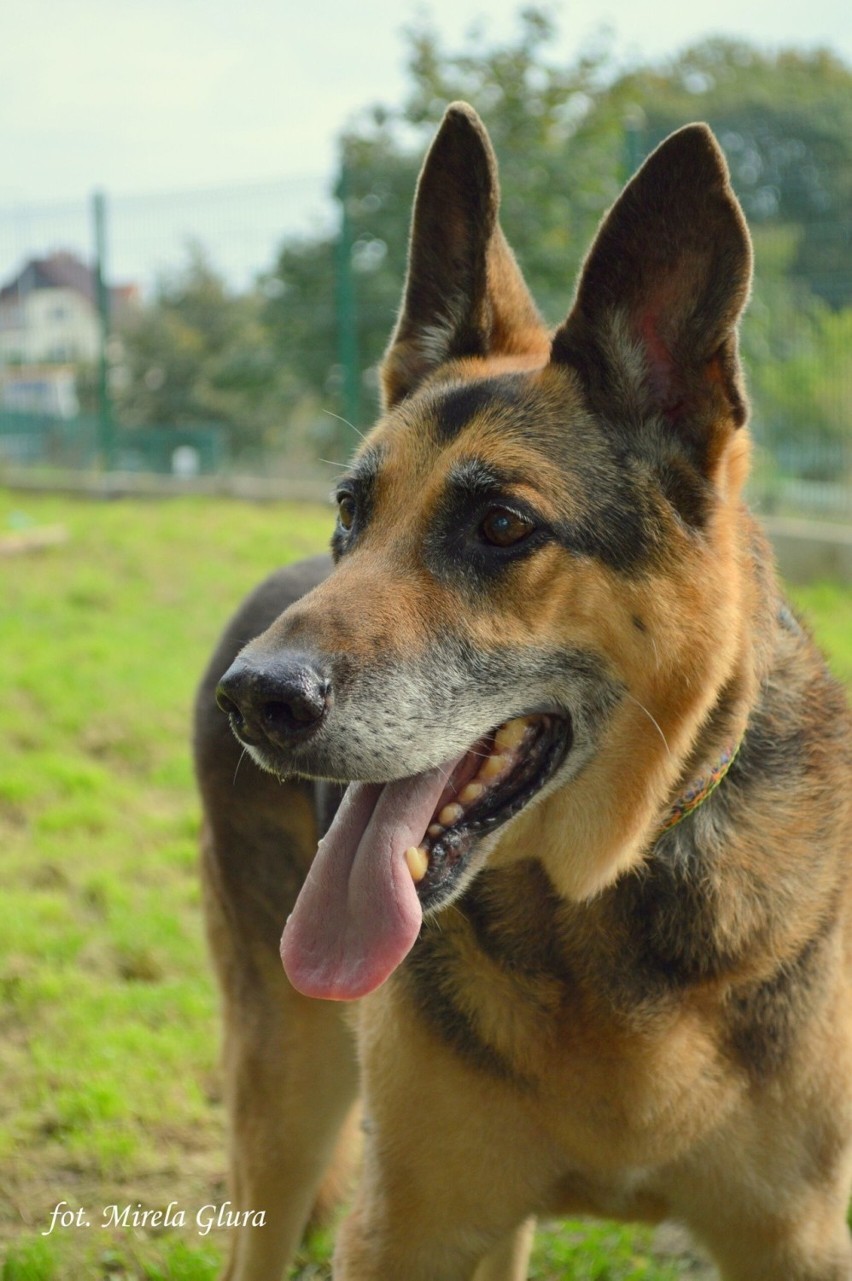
column 717, row 745
column 703, row 784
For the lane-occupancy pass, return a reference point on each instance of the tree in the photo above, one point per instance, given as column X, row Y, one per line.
column 200, row 353
column 561, row 133
column 270, row 363
column 535, row 110
column 302, row 313
column 785, row 122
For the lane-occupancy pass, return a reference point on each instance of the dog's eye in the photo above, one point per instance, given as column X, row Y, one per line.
column 503, row 528
column 346, row 510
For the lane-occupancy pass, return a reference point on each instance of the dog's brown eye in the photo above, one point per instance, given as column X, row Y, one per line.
column 503, row 528
column 346, row 510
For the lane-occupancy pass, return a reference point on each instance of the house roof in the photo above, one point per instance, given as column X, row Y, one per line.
column 60, row 270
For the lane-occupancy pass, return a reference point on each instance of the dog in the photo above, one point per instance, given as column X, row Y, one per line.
column 577, row 929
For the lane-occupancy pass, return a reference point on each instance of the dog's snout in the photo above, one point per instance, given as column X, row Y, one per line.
column 279, row 701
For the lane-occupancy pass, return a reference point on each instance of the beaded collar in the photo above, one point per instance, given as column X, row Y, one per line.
column 700, row 788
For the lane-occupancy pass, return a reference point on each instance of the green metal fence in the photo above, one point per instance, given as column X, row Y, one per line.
column 37, row 440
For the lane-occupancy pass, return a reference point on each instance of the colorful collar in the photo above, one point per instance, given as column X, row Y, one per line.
column 699, row 789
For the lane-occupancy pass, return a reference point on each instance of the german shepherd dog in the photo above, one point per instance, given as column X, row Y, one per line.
column 589, row 878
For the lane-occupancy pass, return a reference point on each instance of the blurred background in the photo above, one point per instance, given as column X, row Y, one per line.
column 204, row 211
column 203, row 225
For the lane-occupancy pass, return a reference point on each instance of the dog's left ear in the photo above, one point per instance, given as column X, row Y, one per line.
column 464, row 293
column 653, row 330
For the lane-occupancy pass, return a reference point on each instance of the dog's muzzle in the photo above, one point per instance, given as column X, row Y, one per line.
column 277, row 703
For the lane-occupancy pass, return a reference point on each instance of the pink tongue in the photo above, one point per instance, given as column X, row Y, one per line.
column 358, row 914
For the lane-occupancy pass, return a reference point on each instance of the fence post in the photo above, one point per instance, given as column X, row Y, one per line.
column 347, row 331
column 634, row 139
column 106, row 441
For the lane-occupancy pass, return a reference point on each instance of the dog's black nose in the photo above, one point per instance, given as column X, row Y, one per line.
column 279, row 701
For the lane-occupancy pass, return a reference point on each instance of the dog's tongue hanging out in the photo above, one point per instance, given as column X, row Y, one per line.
column 358, row 914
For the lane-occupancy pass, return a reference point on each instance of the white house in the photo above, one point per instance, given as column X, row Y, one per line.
column 48, row 312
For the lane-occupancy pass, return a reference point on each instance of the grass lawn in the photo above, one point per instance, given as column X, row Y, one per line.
column 109, row 1088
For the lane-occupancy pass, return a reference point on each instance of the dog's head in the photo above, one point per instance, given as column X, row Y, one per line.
column 535, row 595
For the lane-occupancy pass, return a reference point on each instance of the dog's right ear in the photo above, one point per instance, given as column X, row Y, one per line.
column 464, row 294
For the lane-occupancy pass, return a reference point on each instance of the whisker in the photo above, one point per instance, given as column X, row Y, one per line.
column 243, row 753
column 346, row 423
column 332, row 463
column 644, row 709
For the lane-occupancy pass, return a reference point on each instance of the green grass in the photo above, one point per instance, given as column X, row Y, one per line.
column 109, row 1087
column 828, row 609
column 109, row 1046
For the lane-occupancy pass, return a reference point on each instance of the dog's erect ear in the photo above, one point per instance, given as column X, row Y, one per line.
column 653, row 327
column 464, row 294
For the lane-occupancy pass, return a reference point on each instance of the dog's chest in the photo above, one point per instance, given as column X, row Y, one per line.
column 608, row 1065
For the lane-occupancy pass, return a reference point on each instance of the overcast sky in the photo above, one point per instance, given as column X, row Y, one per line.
column 214, row 122
column 152, row 95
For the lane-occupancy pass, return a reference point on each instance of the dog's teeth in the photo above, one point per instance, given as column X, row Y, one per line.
column 471, row 793
column 450, row 814
column 512, row 733
column 435, row 830
column 418, row 862
column 493, row 767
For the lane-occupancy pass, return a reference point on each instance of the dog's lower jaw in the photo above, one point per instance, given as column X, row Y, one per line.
column 512, row 766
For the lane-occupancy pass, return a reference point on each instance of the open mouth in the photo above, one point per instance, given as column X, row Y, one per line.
column 397, row 849
column 491, row 783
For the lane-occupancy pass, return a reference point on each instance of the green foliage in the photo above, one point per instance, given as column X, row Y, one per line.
column 567, row 137
column 303, row 315
column 200, row 353
column 803, row 401
column 270, row 363
column 561, row 161
column 785, row 121
column 557, row 176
